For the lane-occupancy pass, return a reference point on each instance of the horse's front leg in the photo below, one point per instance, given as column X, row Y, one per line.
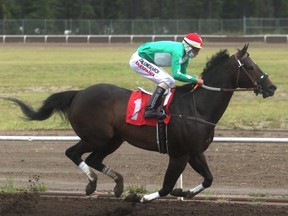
column 199, row 164
column 175, row 168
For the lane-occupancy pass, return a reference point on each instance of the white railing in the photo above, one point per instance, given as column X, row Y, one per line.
column 90, row 39
column 216, row 139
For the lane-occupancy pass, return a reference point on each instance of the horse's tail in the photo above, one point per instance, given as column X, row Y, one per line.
column 55, row 103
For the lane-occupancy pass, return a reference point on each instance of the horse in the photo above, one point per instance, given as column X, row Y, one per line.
column 97, row 115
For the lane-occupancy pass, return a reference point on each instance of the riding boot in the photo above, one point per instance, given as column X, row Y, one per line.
column 154, row 103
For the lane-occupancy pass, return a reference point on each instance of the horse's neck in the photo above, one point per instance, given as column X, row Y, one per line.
column 204, row 104
column 211, row 105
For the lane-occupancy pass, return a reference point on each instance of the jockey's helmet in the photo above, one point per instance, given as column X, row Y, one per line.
column 192, row 40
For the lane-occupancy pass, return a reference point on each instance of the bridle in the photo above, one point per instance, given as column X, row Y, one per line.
column 257, row 83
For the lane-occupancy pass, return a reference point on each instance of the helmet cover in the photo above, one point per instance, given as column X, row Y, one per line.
column 194, row 40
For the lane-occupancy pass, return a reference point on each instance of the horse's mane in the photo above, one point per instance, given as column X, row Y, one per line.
column 215, row 60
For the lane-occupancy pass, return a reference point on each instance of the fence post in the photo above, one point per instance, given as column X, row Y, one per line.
column 244, row 24
column 179, row 184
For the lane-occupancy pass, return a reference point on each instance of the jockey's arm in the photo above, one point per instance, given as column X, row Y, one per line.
column 179, row 73
column 184, row 77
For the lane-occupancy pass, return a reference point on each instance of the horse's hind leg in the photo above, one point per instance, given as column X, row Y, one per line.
column 199, row 164
column 75, row 153
column 95, row 160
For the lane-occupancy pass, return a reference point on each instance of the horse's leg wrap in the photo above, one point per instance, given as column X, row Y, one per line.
column 194, row 191
column 88, row 171
column 91, row 186
column 150, row 197
column 118, row 189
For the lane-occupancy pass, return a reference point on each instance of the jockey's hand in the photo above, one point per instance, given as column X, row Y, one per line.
column 200, row 81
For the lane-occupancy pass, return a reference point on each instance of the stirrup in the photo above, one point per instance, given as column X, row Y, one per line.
column 151, row 113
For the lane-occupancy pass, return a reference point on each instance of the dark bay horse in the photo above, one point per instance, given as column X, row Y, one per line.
column 97, row 115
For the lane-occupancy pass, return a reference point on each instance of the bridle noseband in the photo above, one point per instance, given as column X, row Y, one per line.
column 257, row 83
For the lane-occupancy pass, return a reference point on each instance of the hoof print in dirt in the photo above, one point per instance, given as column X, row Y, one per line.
column 132, row 198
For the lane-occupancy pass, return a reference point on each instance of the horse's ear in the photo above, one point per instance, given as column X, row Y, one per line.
column 244, row 50
column 246, row 46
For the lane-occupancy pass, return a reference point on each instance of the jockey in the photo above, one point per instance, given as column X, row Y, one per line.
column 152, row 56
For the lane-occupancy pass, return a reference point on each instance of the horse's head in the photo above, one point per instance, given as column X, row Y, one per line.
column 251, row 76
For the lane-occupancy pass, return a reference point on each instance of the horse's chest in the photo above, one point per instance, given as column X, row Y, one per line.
column 191, row 136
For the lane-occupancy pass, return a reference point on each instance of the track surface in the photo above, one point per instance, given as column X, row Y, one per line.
column 203, row 198
column 249, row 179
column 68, row 204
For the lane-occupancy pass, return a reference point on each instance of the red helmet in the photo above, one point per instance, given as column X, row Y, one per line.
column 194, row 40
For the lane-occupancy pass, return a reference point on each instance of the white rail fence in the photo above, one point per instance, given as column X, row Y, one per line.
column 92, row 39
column 216, row 139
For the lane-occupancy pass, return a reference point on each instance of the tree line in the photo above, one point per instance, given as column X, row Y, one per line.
column 142, row 9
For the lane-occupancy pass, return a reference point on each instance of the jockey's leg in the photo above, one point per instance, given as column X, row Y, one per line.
column 155, row 101
column 157, row 75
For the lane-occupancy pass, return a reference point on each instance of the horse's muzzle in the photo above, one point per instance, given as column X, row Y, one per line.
column 269, row 90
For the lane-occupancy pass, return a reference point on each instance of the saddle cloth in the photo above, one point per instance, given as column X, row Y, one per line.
column 137, row 104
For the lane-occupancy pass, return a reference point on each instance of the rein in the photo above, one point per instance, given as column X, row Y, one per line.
column 257, row 87
column 225, row 89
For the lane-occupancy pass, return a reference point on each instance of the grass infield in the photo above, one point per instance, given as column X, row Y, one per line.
column 31, row 72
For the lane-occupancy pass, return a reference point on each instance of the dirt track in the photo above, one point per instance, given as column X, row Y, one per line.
column 239, row 169
column 34, row 205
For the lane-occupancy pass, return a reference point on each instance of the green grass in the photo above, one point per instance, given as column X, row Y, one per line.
column 33, row 186
column 10, row 187
column 135, row 189
column 33, row 72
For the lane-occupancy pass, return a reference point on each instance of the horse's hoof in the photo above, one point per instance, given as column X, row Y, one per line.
column 132, row 198
column 91, row 187
column 119, row 188
column 190, row 194
column 178, row 192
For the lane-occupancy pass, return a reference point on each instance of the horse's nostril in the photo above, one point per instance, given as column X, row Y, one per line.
column 272, row 88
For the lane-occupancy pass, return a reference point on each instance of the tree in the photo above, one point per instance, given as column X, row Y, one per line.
column 141, row 9
column 280, row 8
column 9, row 9
column 34, row 9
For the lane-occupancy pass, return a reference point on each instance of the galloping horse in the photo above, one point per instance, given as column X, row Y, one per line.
column 97, row 115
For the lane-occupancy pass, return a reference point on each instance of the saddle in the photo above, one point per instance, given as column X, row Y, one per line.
column 135, row 115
